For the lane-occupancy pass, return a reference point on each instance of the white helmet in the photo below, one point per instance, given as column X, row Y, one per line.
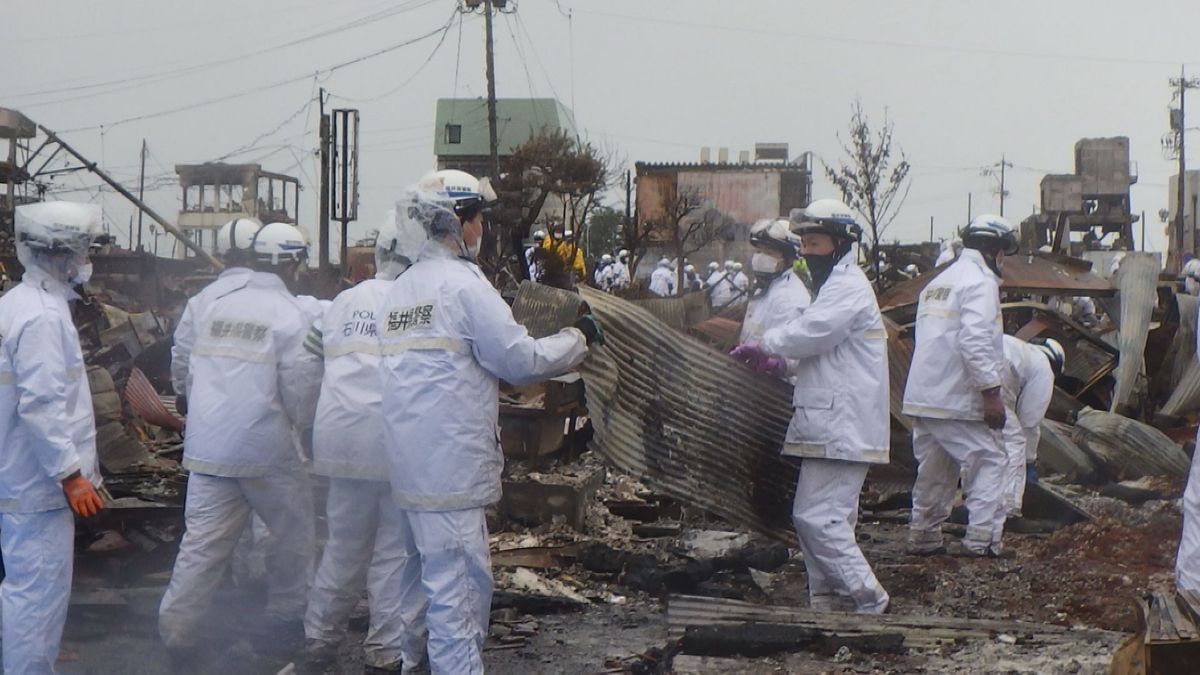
column 56, row 236
column 737, row 267
column 775, row 234
column 728, row 265
column 465, row 191
column 397, row 246
column 278, row 243
column 713, row 266
column 539, row 236
column 623, row 253
column 237, row 235
column 827, row 216
column 664, row 263
column 990, row 230
column 912, row 269
column 689, row 268
column 1053, row 351
column 606, row 258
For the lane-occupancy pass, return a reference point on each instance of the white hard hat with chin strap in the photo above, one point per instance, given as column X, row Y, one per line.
column 280, row 243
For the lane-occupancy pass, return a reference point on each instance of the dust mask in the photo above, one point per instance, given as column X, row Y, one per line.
column 762, row 263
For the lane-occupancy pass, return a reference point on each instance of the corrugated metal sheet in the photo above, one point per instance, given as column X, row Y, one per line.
column 689, row 421
column 1128, row 448
column 743, row 196
column 681, row 312
column 146, row 402
column 545, row 310
column 919, row 631
column 1057, row 453
column 1138, row 281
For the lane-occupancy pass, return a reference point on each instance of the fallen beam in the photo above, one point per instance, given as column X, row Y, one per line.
column 919, row 631
column 766, row 639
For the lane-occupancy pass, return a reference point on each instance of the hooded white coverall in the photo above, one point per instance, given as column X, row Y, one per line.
column 185, row 332
column 723, row 289
column 367, row 530
column 662, row 281
column 619, row 277
column 741, row 284
column 839, row 427
column 1187, row 562
column 47, row 433
column 785, row 299
column 253, row 390
column 1028, row 388
column 959, row 353
column 447, row 338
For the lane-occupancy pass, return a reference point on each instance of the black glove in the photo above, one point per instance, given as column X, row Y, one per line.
column 590, row 327
column 181, row 405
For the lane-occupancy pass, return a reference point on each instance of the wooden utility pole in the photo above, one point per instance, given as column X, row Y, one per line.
column 141, row 193
column 1003, row 163
column 323, row 216
column 493, row 140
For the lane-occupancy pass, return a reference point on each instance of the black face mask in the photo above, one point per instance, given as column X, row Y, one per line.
column 820, row 267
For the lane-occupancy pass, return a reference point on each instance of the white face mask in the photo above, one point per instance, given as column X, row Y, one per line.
column 762, row 263
column 81, row 274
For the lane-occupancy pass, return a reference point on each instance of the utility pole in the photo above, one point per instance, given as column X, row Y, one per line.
column 323, row 217
column 930, row 228
column 969, row 215
column 991, row 171
column 141, row 193
column 1183, row 242
column 493, row 140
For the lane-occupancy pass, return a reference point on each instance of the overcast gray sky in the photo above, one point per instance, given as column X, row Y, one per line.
column 653, row 80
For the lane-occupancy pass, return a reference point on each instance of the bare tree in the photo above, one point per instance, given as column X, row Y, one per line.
column 873, row 179
column 687, row 225
column 549, row 164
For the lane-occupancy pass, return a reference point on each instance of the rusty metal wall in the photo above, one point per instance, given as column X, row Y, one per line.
column 743, row 196
column 689, row 421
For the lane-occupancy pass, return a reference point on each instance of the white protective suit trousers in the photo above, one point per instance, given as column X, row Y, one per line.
column 369, row 541
column 944, row 449
column 1017, row 451
column 38, row 552
column 215, row 515
column 456, row 577
column 1187, row 563
column 825, row 512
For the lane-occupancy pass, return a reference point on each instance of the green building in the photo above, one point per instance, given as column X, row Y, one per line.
column 461, row 129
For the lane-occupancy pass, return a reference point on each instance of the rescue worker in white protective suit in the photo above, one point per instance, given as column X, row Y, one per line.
column 619, row 277
column 779, row 295
column 837, row 349
column 691, row 280
column 251, row 401
column 47, row 431
column 714, row 273
column 447, row 338
column 1028, row 386
column 723, row 289
column 539, row 241
column 741, row 284
column 662, row 279
column 603, row 274
column 367, row 531
column 1187, row 561
column 1191, row 276
column 954, row 394
column 950, row 251
column 234, row 241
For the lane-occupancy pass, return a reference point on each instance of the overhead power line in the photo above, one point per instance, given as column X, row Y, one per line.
column 327, row 70
column 888, row 43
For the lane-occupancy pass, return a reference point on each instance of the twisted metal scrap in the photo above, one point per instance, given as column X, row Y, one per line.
column 1137, row 281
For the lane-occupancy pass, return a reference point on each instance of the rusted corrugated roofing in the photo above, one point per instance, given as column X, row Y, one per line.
column 146, row 402
column 688, row 420
column 545, row 310
column 1128, row 448
column 1037, row 274
column 679, row 312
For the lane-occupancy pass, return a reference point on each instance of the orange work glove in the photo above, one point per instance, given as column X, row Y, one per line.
column 81, row 495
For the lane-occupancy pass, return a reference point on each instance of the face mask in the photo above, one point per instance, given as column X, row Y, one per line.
column 820, row 267
column 83, row 273
column 762, row 263
column 473, row 249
